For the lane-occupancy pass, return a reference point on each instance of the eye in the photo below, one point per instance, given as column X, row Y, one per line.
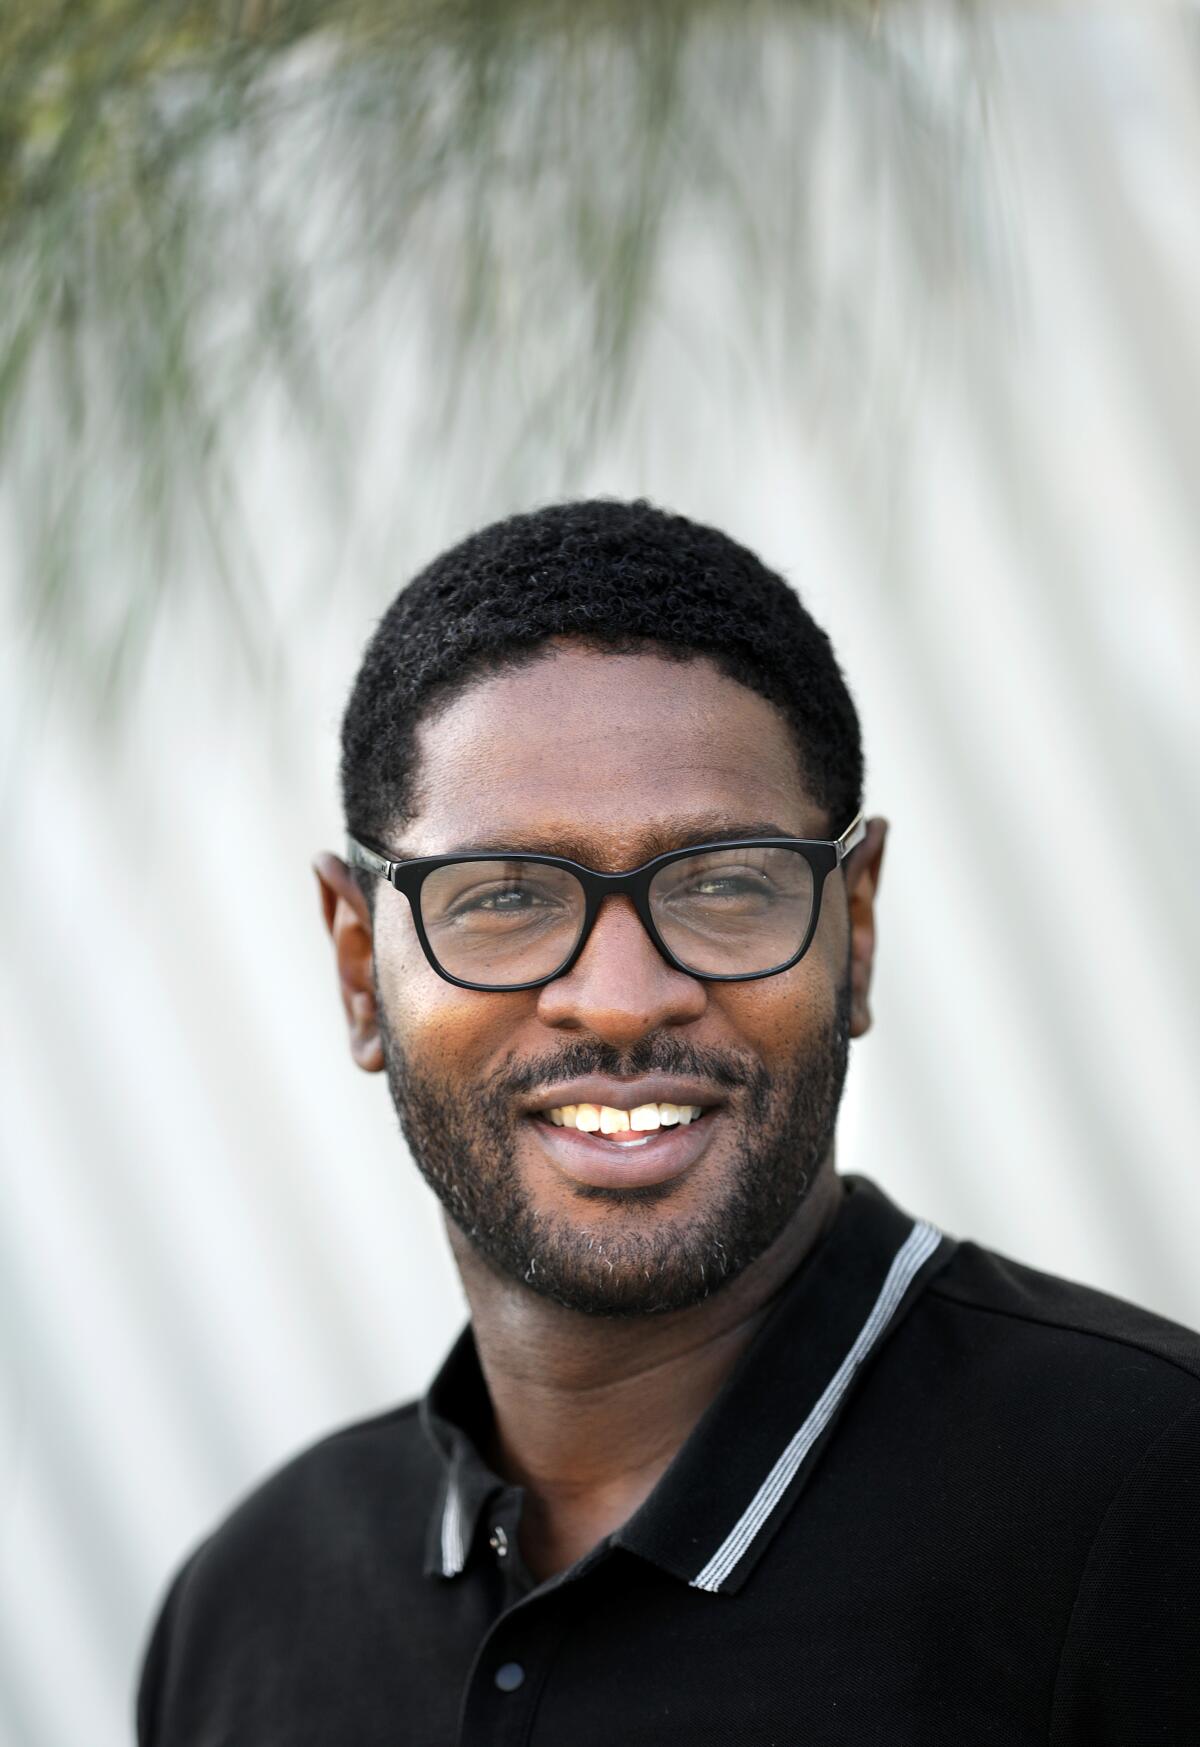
column 741, row 886
column 486, row 897
column 506, row 907
column 729, row 885
column 513, row 899
column 722, row 884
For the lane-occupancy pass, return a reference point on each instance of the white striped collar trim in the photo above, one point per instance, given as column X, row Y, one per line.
column 453, row 1540
column 911, row 1257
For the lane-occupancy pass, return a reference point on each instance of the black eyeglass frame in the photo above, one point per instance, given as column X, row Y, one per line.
column 822, row 855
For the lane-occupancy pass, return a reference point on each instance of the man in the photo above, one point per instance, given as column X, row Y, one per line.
column 733, row 1451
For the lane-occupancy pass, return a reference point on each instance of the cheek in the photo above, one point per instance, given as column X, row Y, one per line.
column 779, row 1016
column 420, row 1006
column 448, row 1031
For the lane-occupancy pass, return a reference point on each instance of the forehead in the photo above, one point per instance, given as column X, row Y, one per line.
column 585, row 752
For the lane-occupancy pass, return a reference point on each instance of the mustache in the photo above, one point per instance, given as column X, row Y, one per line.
column 650, row 1055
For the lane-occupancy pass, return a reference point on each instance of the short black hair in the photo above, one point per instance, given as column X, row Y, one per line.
column 615, row 575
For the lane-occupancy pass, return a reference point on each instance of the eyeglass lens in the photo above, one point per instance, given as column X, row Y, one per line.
column 731, row 912
column 722, row 912
column 501, row 922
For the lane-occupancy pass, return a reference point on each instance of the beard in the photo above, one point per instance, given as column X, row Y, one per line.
column 464, row 1143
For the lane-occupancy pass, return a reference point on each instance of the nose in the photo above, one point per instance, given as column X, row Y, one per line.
column 621, row 988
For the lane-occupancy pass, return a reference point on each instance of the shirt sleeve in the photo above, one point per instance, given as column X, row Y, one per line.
column 1129, row 1675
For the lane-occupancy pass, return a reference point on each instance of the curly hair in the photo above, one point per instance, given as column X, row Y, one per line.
column 615, row 575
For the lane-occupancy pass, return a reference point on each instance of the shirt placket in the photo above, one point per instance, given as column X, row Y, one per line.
column 516, row 1657
column 502, row 1520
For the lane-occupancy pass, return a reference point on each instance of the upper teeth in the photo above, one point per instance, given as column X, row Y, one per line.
column 608, row 1120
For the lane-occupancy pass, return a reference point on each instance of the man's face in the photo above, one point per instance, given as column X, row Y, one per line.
column 610, row 759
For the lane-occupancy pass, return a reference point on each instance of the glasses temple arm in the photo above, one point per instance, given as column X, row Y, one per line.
column 851, row 837
column 358, row 855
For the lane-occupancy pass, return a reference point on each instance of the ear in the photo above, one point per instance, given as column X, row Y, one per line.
column 861, row 870
column 348, row 920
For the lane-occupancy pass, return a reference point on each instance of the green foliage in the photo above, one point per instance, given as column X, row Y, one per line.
column 199, row 201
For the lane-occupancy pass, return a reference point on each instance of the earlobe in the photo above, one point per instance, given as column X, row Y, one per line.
column 348, row 919
column 366, row 1045
column 862, row 870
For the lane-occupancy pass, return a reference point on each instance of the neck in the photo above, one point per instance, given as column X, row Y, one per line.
column 589, row 1412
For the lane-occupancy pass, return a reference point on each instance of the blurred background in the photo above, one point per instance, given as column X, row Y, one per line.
column 294, row 294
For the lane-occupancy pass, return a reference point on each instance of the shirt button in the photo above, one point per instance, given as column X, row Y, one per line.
column 509, row 1676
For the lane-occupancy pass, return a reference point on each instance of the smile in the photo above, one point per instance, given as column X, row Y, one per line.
column 625, row 1126
column 599, row 1144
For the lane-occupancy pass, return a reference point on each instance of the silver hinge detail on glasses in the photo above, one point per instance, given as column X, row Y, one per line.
column 851, row 837
column 359, row 855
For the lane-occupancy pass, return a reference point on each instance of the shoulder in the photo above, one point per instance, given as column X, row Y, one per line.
column 981, row 1279
column 1064, row 1327
column 288, row 1556
column 1082, row 1419
column 366, row 1476
column 1066, row 1367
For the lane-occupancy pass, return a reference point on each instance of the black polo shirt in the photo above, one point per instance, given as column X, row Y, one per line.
column 942, row 1500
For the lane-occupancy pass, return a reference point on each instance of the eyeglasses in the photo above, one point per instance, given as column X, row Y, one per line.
column 727, row 912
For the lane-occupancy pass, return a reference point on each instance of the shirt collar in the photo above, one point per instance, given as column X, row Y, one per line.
column 456, row 1416
column 725, row 1495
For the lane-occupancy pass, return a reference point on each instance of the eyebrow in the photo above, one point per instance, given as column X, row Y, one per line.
column 660, row 837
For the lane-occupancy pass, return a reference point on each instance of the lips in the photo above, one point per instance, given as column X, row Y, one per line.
column 633, row 1133
column 628, row 1095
